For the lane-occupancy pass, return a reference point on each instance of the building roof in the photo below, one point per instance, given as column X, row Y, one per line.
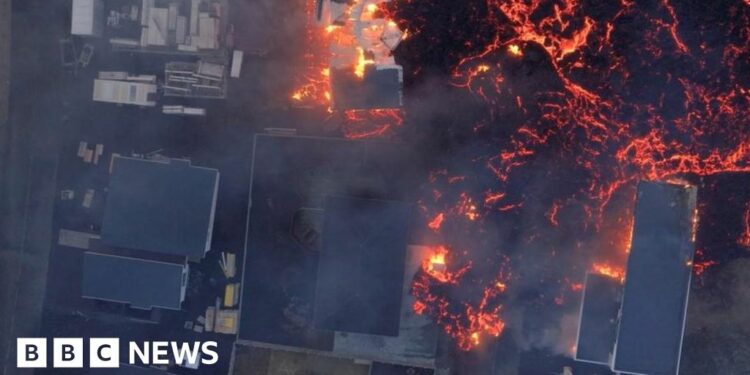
column 361, row 266
column 291, row 177
column 416, row 343
column 649, row 337
column 142, row 284
column 160, row 206
column 377, row 89
column 598, row 321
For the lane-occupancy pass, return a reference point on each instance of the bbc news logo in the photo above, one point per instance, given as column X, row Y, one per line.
column 105, row 352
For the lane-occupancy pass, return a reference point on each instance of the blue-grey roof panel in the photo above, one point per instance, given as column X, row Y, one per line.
column 361, row 266
column 655, row 297
column 165, row 207
column 141, row 283
column 598, row 323
column 378, row 89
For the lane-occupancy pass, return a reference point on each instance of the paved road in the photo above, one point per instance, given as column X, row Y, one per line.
column 29, row 144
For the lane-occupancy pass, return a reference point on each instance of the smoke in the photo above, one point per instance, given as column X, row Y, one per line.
column 548, row 141
column 717, row 335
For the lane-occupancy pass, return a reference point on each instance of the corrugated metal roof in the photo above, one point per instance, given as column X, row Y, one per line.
column 598, row 322
column 649, row 338
column 164, row 207
column 361, row 266
column 140, row 283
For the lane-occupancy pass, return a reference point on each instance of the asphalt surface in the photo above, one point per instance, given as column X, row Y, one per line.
column 30, row 141
column 52, row 112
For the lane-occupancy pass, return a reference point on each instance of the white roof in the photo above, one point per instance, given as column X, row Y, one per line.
column 84, row 17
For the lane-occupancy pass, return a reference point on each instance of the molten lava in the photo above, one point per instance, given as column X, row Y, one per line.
column 341, row 45
column 466, row 321
column 592, row 96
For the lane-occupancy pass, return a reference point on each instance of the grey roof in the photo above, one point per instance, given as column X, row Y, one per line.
column 291, row 175
column 649, row 338
column 379, row 88
column 361, row 266
column 165, row 207
column 416, row 343
column 141, row 283
column 598, row 322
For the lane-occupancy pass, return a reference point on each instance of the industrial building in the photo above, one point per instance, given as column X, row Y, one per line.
column 142, row 284
column 158, row 216
column 638, row 328
column 160, row 206
column 328, row 260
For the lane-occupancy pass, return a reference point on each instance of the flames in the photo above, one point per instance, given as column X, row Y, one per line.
column 466, row 321
column 626, row 93
column 609, row 270
column 328, row 45
column 607, row 94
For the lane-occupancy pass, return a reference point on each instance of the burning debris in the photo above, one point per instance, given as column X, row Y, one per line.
column 362, row 71
column 568, row 94
column 481, row 318
column 351, row 68
column 562, row 107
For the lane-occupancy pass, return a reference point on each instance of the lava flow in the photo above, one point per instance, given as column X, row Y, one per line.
column 557, row 109
column 569, row 104
column 481, row 318
column 328, row 47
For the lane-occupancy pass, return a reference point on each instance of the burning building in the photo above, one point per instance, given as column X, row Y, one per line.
column 638, row 327
column 362, row 73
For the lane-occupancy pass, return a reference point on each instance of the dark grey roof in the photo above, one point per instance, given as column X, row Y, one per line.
column 165, row 207
column 377, row 89
column 291, row 176
column 649, row 338
column 141, row 283
column 361, row 266
column 598, row 323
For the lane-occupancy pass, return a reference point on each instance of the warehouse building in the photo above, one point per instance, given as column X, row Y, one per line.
column 639, row 330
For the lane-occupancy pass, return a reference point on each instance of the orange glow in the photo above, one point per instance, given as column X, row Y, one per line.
column 589, row 119
column 436, row 266
column 515, row 50
column 609, row 270
column 436, row 222
column 482, row 317
column 362, row 62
